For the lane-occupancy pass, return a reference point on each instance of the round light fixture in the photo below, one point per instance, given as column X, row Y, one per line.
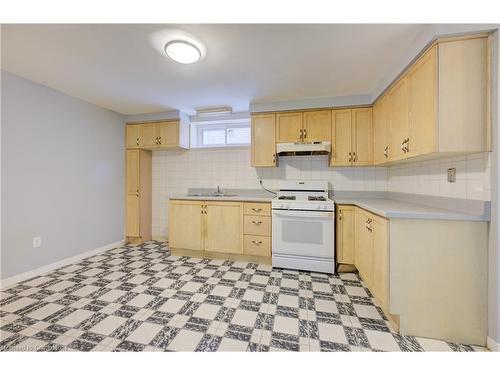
column 182, row 52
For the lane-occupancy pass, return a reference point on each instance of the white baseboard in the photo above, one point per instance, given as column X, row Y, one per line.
column 492, row 344
column 50, row 267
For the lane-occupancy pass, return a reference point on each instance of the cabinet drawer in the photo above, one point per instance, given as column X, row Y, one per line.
column 257, row 245
column 257, row 225
column 261, row 209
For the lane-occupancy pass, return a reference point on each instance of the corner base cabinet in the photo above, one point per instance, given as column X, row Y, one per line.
column 427, row 275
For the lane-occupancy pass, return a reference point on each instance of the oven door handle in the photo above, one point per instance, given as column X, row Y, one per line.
column 306, row 214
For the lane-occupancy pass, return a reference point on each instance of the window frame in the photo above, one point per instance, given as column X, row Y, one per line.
column 200, row 127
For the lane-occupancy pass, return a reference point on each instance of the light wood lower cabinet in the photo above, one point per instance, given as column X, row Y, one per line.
column 224, row 227
column 345, row 234
column 186, row 225
column 138, row 195
column 220, row 227
column 371, row 253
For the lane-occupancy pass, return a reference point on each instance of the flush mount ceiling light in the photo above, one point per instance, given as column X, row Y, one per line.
column 182, row 52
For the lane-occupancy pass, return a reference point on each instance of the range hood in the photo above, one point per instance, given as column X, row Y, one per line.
column 313, row 148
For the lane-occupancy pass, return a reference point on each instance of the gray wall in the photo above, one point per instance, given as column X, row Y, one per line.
column 62, row 175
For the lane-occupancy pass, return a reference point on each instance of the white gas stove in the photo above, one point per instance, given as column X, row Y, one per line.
column 304, row 227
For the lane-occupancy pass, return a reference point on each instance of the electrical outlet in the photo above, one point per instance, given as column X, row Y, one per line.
column 37, row 242
column 452, row 174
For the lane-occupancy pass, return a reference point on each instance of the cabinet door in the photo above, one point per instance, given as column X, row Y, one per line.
column 132, row 136
column 168, row 134
column 422, row 122
column 132, row 193
column 289, row 127
column 318, row 126
column 362, row 142
column 381, row 135
column 380, row 284
column 341, row 138
column 345, row 234
column 399, row 102
column 363, row 242
column 224, row 227
column 185, row 225
column 149, row 135
column 132, row 216
column 264, row 140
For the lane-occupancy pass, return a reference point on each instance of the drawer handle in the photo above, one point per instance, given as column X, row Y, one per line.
column 256, row 209
column 256, row 242
column 256, row 222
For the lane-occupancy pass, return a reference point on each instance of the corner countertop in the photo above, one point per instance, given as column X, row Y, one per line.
column 410, row 206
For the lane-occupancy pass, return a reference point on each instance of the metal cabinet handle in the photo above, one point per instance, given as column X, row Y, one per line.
column 407, row 144
column 256, row 209
column 355, row 157
column 256, row 242
column 350, row 157
column 340, row 215
column 137, row 141
column 305, row 133
column 274, row 158
column 386, row 152
column 137, row 192
column 256, row 222
column 159, row 140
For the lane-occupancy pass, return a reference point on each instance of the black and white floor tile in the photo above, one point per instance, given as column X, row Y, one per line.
column 141, row 298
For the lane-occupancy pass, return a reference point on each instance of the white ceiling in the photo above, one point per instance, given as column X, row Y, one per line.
column 117, row 67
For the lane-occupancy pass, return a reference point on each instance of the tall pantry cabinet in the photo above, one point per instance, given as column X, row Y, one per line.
column 138, row 195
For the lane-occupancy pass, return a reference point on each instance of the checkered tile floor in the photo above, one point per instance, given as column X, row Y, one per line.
column 140, row 298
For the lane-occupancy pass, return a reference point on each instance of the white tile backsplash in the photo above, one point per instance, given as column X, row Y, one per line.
column 430, row 177
column 176, row 171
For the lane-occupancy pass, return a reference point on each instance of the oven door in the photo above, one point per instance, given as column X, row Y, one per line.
column 303, row 233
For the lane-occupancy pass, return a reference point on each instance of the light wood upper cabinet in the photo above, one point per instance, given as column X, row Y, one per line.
column 264, row 140
column 441, row 106
column 132, row 136
column 345, row 234
column 317, row 126
column 422, row 107
column 149, row 135
column 399, row 116
column 158, row 135
column 289, row 127
column 352, row 137
column 341, row 154
column 381, row 131
column 362, row 138
column 138, row 195
column 186, row 223
column 224, row 227
column 168, row 134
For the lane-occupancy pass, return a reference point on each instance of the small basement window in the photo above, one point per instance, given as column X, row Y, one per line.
column 221, row 133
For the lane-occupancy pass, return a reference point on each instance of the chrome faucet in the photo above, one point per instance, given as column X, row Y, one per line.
column 218, row 190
